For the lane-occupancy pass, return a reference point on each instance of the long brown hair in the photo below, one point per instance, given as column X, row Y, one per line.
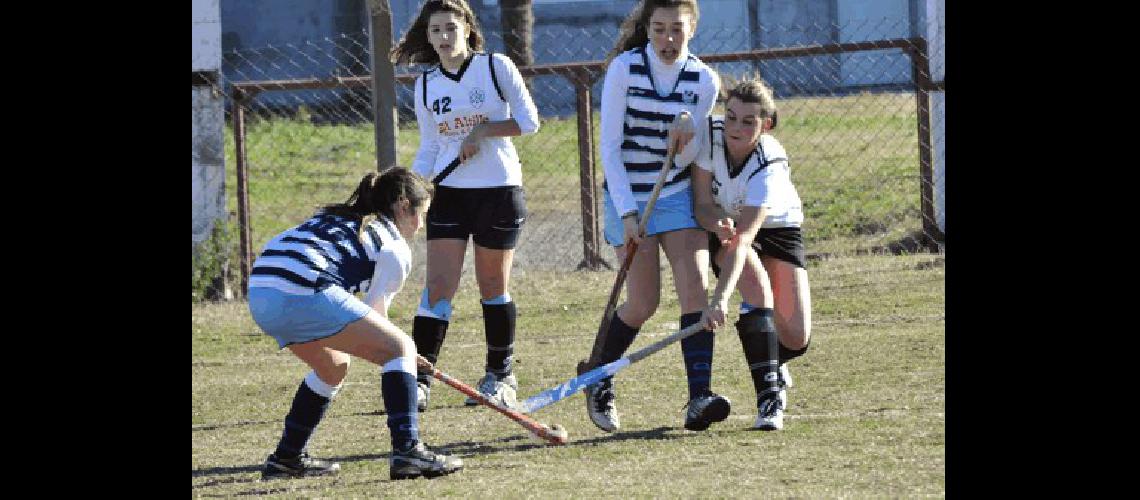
column 635, row 29
column 414, row 47
column 378, row 194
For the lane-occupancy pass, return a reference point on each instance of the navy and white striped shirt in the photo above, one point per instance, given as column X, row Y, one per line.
column 637, row 109
column 327, row 251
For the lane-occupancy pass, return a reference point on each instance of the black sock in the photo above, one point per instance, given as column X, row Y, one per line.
column 697, row 350
column 499, row 326
column 399, row 392
column 619, row 337
column 757, row 334
column 790, row 354
column 428, row 333
column 307, row 410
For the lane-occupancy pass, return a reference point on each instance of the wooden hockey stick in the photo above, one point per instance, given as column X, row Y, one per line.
column 554, row 434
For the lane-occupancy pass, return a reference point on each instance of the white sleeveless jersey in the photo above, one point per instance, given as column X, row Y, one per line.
column 456, row 104
column 764, row 181
column 648, row 115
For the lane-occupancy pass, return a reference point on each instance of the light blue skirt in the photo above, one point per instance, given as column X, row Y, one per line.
column 295, row 319
column 669, row 214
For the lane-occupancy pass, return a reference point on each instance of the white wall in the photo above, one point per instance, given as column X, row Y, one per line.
column 207, row 120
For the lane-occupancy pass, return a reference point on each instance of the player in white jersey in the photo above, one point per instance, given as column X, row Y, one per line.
column 745, row 198
column 301, row 293
column 468, row 105
column 652, row 78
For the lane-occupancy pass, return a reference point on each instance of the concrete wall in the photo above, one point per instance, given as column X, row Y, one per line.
column 208, row 171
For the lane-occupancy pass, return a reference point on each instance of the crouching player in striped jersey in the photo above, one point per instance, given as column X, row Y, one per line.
column 651, row 79
column 744, row 197
column 301, row 293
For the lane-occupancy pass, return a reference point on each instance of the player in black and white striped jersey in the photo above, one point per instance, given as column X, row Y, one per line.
column 745, row 198
column 651, row 79
column 468, row 105
column 301, row 293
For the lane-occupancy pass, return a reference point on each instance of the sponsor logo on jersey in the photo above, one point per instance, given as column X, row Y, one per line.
column 690, row 97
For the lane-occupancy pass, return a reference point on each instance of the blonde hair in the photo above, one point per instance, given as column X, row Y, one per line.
column 635, row 28
column 414, row 47
column 752, row 89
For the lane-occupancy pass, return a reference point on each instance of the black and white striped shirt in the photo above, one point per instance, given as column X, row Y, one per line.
column 327, row 251
column 637, row 109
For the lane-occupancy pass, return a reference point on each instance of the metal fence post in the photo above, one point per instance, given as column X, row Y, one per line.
column 238, row 112
column 383, row 84
column 920, row 71
column 591, row 258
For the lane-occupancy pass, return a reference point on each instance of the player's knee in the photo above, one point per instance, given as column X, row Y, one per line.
column 638, row 310
column 439, row 287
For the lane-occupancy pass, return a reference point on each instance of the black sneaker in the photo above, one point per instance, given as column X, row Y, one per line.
column 706, row 409
column 419, row 461
column 300, row 466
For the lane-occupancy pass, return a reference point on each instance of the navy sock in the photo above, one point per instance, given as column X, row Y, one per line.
column 307, row 410
column 399, row 391
column 698, row 352
column 428, row 333
column 757, row 336
column 499, row 325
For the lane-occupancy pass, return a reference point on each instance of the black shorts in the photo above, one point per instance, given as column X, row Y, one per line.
column 492, row 216
column 784, row 243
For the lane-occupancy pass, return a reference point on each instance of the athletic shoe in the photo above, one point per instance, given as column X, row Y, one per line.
column 770, row 414
column 423, row 392
column 504, row 390
column 300, row 466
column 785, row 381
column 419, row 461
column 600, row 405
column 706, row 409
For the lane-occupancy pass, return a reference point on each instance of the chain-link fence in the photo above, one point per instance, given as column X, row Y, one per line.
column 854, row 118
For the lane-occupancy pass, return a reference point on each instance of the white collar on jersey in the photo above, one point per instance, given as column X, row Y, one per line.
column 656, row 62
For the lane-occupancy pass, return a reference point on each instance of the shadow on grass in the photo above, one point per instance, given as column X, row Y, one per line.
column 467, row 448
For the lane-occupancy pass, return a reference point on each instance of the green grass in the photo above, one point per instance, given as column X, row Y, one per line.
column 865, row 419
column 854, row 162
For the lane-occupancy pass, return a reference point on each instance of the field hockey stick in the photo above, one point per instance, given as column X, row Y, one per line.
column 630, row 252
column 568, row 388
column 553, row 434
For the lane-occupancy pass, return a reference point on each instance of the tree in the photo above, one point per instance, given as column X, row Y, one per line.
column 516, row 18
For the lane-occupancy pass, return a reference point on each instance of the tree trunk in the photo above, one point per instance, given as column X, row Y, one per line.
column 517, row 22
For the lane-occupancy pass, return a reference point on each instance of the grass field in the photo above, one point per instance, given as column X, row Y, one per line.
column 865, row 419
column 854, row 162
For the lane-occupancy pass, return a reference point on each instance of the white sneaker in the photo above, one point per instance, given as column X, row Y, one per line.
column 504, row 391
column 785, row 381
column 600, row 405
column 423, row 392
column 770, row 414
